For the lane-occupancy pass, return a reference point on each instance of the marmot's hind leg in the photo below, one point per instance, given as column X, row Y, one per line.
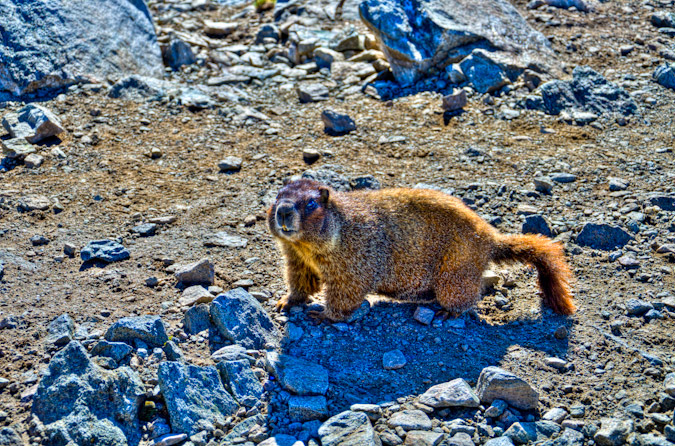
column 458, row 288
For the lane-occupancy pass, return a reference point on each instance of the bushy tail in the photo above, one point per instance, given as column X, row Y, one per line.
column 548, row 257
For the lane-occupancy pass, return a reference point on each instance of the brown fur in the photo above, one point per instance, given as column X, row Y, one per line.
column 401, row 243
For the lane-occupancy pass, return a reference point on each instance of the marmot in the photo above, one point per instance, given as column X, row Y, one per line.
column 400, row 243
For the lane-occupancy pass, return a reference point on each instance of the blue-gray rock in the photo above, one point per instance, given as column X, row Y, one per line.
column 231, row 353
column 663, row 19
column 312, row 93
column 522, row 433
column 499, row 441
column 484, row 74
column 307, row 408
column 337, row 123
column 298, row 375
column 173, row 352
column 328, row 176
column 33, row 123
column 140, row 88
column 114, row 350
column 178, row 53
column 9, row 437
column 455, row 393
column 460, row 439
column 536, row 224
column 669, row 385
column 669, row 431
column 267, row 31
column 365, row 182
column 281, row 440
column 49, row 44
column 195, row 98
column 201, row 272
column 145, row 229
column 665, row 202
column 588, row 91
column 242, row 428
column 496, row 383
column 241, row 382
column 197, row 319
column 410, row 420
column 603, row 236
column 348, row 428
column 39, row 240
column 105, row 250
column 393, row 360
column 652, row 440
column 194, row 396
column 240, row 318
column 613, row 432
column 82, row 403
column 637, row 307
column 543, row 184
column 569, row 437
column 420, row 37
column 562, row 177
column 665, row 75
column 149, row 329
column 60, row 331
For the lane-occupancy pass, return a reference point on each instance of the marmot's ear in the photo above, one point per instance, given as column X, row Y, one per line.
column 324, row 193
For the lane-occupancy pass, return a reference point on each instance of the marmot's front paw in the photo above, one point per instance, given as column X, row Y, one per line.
column 325, row 316
column 289, row 301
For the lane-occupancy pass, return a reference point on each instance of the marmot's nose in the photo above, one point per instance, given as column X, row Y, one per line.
column 285, row 215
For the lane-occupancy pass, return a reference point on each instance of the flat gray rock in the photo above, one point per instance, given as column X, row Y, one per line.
column 307, row 408
column 60, row 331
column 423, row 36
column 32, row 122
column 48, row 44
column 613, row 432
column 455, row 393
column 195, row 396
column 148, row 329
column 225, row 240
column 105, row 250
column 298, row 375
column 496, row 383
column 603, row 236
column 348, row 428
column 201, row 272
column 241, row 382
column 240, row 318
column 410, row 420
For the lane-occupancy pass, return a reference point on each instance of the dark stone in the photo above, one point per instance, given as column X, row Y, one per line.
column 536, row 224
column 312, row 93
column 365, row 182
column 47, row 45
column 329, row 177
column 145, row 229
column 240, row 318
column 173, row 352
column 663, row 19
column 240, row 380
column 197, row 319
column 178, row 53
column 114, row 350
column 39, row 240
column 194, row 396
column 139, row 88
column 60, row 331
column 483, row 73
column 149, row 329
column 337, row 123
column 9, row 437
column 603, row 236
column 105, row 250
column 588, row 91
column 665, row 202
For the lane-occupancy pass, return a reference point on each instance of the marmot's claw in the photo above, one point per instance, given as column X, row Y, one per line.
column 283, row 305
column 319, row 316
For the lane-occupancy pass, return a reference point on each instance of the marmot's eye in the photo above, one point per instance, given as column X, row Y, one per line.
column 311, row 205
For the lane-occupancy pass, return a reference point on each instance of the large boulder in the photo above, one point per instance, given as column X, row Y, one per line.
column 195, row 397
column 82, row 403
column 240, row 318
column 53, row 43
column 420, row 37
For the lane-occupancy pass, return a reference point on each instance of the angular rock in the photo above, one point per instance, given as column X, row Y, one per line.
column 148, row 329
column 460, row 439
column 536, row 224
column 32, row 122
column 60, row 331
column 603, row 236
column 312, row 93
column 457, row 100
column 569, row 437
column 194, row 396
column 307, row 408
column 195, row 294
column 281, row 440
column 230, row 164
column 82, row 403
column 373, row 411
column 523, row 433
column 410, row 420
column 557, row 415
column 637, row 307
column 178, row 53
column 225, row 240
column 669, row 384
column 543, row 184
column 105, row 250
column 48, row 45
column 424, row 315
column 455, row 393
column 173, row 352
column 485, row 74
column 298, row 375
column 240, row 318
column 267, row 31
column 139, row 88
column 496, row 383
column 613, row 432
column 197, row 319
column 665, row 202
column 348, row 428
column 33, row 161
column 423, row 438
column 499, row 441
column 230, row 353
column 665, row 75
column 9, row 437
column 337, row 123
column 201, row 272
column 145, row 229
column 17, row 148
column 117, row 351
column 329, row 177
column 422, row 36
column 393, row 360
column 240, row 381
column 588, row 91
column 663, row 19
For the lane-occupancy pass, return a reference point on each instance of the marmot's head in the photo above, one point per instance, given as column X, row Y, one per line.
column 300, row 211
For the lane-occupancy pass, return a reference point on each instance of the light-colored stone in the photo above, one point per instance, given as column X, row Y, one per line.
column 455, row 393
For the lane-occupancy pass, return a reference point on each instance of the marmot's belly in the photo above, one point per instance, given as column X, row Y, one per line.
column 406, row 283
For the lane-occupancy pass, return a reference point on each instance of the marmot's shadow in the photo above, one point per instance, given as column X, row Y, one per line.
column 434, row 354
